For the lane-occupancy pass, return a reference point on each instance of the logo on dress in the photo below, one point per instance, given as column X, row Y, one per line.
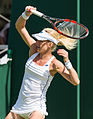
column 46, row 65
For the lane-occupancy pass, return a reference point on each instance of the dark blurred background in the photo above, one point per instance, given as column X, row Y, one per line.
column 5, row 12
column 5, row 9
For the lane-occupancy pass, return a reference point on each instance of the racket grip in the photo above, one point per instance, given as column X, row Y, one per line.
column 37, row 13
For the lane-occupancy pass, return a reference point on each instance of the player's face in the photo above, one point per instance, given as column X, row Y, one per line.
column 42, row 46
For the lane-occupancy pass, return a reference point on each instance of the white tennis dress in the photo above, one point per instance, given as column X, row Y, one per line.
column 32, row 95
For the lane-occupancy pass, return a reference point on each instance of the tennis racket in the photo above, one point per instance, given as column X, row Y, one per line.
column 66, row 27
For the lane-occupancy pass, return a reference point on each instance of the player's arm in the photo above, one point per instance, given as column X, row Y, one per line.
column 20, row 26
column 69, row 74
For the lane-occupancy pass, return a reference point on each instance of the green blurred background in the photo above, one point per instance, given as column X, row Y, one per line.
column 61, row 96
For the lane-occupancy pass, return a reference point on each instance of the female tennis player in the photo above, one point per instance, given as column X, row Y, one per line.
column 40, row 69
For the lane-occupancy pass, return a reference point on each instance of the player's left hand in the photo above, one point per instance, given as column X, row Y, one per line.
column 63, row 53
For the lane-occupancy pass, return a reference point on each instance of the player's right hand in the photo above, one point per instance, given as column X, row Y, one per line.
column 28, row 10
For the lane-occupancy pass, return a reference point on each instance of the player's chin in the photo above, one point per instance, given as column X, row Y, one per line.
column 38, row 49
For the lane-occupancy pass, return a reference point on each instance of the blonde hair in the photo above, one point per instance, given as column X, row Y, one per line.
column 69, row 43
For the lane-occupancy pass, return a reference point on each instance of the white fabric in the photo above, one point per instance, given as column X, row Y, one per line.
column 24, row 16
column 45, row 36
column 35, row 83
column 4, row 59
column 68, row 64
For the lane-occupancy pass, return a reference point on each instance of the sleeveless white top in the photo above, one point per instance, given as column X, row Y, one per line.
column 32, row 95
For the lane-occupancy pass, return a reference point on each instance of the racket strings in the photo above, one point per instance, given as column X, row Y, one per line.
column 71, row 29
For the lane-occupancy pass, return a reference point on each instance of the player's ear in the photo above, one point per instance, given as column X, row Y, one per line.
column 50, row 44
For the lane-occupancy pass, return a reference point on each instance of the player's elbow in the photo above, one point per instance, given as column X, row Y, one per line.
column 19, row 26
column 77, row 83
column 16, row 26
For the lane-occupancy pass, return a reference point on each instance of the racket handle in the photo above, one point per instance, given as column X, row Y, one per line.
column 37, row 13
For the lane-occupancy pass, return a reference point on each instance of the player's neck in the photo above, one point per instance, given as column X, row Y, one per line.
column 45, row 55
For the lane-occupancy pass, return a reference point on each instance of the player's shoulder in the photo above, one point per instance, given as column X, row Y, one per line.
column 32, row 49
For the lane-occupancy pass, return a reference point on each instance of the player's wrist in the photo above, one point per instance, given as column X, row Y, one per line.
column 66, row 59
column 25, row 16
column 68, row 64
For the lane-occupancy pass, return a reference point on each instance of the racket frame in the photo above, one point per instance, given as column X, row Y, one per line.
column 57, row 20
column 72, row 21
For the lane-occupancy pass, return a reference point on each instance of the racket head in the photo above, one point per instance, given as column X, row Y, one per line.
column 71, row 29
column 66, row 27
